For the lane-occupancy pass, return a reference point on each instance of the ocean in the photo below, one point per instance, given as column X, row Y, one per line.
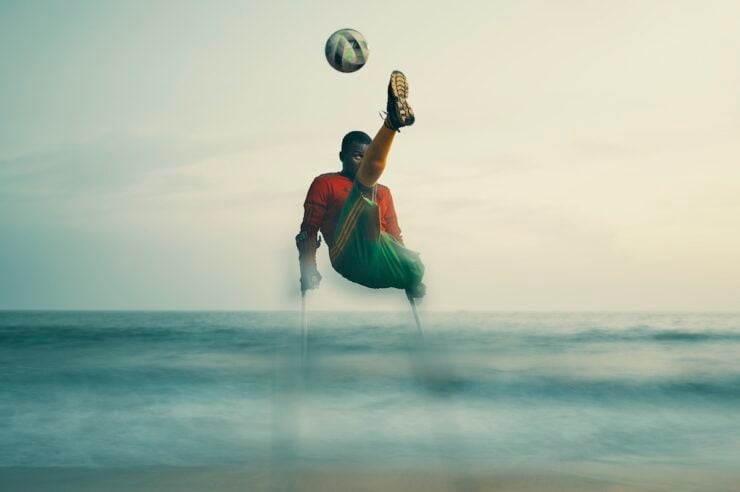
column 552, row 391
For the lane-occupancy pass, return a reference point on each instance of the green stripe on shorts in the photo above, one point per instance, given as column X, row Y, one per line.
column 364, row 254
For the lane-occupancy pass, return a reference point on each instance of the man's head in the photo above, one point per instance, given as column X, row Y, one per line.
column 354, row 145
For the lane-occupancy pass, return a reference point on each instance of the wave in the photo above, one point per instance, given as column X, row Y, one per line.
column 602, row 391
column 334, row 337
column 464, row 382
column 640, row 334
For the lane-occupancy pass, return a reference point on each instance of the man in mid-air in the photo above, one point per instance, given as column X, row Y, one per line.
column 355, row 213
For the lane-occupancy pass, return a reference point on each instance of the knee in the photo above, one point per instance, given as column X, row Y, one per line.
column 373, row 166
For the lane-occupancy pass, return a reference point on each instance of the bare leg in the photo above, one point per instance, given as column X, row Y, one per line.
column 374, row 160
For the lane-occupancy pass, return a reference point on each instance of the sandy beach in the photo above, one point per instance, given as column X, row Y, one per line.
column 233, row 479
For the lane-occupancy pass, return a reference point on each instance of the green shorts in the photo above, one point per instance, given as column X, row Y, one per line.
column 364, row 254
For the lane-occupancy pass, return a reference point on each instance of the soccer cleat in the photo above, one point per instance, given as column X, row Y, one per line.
column 399, row 112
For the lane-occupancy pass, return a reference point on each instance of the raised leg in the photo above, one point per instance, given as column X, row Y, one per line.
column 399, row 115
column 374, row 161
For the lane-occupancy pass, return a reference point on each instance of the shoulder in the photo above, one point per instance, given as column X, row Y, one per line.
column 383, row 190
column 329, row 179
column 326, row 176
column 323, row 179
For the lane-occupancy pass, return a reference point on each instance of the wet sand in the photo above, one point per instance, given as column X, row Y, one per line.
column 233, row 479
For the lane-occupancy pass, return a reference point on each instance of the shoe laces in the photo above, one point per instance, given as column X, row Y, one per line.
column 386, row 121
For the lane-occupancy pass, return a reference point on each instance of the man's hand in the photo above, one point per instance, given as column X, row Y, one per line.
column 310, row 278
column 307, row 243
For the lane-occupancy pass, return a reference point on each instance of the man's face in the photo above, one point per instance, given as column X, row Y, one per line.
column 351, row 157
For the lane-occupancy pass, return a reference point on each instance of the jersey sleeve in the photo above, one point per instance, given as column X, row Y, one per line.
column 314, row 208
column 391, row 220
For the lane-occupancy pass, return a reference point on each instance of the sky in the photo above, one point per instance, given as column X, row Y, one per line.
column 568, row 155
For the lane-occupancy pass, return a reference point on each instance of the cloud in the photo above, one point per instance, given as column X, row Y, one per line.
column 605, row 149
column 96, row 167
column 127, row 176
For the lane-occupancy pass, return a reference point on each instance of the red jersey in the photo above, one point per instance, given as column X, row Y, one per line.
column 324, row 202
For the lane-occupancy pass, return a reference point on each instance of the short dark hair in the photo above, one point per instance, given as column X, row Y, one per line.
column 356, row 136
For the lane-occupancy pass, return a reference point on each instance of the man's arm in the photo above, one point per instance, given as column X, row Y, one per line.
column 391, row 220
column 307, row 241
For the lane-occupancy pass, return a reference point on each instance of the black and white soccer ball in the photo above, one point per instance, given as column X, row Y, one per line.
column 346, row 50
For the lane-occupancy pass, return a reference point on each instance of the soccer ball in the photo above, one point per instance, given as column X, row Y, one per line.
column 346, row 50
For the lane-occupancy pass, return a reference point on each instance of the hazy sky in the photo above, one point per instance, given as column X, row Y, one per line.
column 567, row 154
